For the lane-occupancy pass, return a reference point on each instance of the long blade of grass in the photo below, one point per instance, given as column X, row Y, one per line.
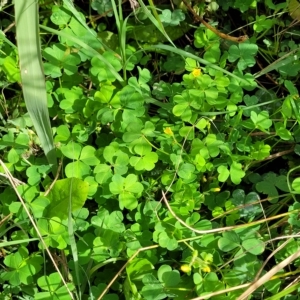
column 282, row 61
column 11, row 243
column 85, row 46
column 6, row 40
column 155, row 19
column 195, row 57
column 73, row 242
column 70, row 6
column 32, row 75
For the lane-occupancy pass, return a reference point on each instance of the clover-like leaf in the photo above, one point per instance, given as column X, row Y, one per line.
column 169, row 277
column 223, row 173
column 186, row 172
column 102, row 6
column 60, row 15
column 100, row 69
column 244, row 53
column 172, row 18
column 236, row 172
column 254, row 246
column 138, row 268
column 229, row 241
column 63, row 134
column 11, row 69
column 260, row 150
column 261, row 120
column 72, row 150
column 54, row 233
column 296, row 185
column 146, row 159
column 248, row 204
column 262, row 23
column 22, row 267
column 60, row 57
column 153, row 289
column 189, row 99
column 88, row 156
column 127, row 188
column 77, row 169
column 53, row 288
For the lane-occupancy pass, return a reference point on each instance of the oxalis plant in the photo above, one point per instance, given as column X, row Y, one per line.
column 149, row 150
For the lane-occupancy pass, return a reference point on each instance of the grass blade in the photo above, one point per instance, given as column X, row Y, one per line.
column 85, row 46
column 32, row 75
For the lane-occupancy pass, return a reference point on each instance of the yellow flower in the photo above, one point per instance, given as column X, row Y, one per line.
column 216, row 190
column 196, row 72
column 168, row 131
column 206, row 269
column 186, row 268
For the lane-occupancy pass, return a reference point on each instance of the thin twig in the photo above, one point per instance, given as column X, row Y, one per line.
column 17, row 181
column 239, row 39
column 217, row 230
column 207, row 296
column 270, row 256
column 276, row 155
column 256, row 284
column 124, row 266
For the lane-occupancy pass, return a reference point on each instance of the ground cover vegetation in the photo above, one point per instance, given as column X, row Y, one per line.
column 149, row 149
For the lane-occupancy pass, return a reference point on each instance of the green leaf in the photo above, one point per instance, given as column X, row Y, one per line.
column 169, row 277
column 223, row 173
column 244, row 53
column 62, row 134
column 283, row 133
column 172, row 18
column 146, row 161
column 22, row 267
column 153, row 288
column 39, row 205
column 259, row 150
column 100, row 69
column 32, row 75
column 186, row 172
column 254, row 246
column 54, row 287
column 13, row 156
column 296, row 185
column 72, row 150
column 262, row 23
column 60, row 57
column 128, row 189
column 261, row 120
column 168, row 241
column 60, row 15
column 138, row 268
column 102, row 7
column 229, row 241
column 268, row 185
column 11, row 69
column 88, row 156
column 77, row 169
column 236, row 172
column 70, row 192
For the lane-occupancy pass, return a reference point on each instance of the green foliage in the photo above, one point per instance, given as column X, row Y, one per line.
column 133, row 116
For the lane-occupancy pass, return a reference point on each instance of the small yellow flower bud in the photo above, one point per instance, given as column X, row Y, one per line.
column 196, row 72
column 168, row 131
column 206, row 269
column 186, row 268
